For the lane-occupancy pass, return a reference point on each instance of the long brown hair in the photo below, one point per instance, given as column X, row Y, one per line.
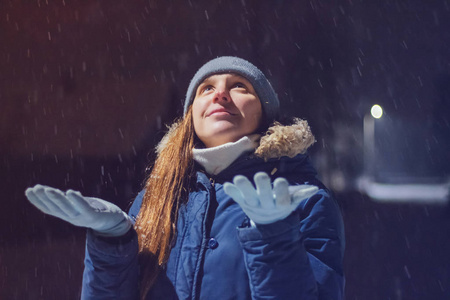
column 166, row 187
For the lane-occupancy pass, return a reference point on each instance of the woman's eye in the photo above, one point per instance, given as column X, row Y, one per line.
column 207, row 88
column 239, row 85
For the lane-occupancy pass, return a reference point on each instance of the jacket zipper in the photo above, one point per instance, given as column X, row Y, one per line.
column 196, row 282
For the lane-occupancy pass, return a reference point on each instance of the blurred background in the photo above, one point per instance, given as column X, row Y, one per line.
column 87, row 87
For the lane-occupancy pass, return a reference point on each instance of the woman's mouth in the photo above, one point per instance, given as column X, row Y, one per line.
column 219, row 112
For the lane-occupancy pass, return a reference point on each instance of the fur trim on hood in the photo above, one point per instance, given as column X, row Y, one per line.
column 288, row 140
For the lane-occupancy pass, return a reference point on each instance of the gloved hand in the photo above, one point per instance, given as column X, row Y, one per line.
column 105, row 218
column 265, row 205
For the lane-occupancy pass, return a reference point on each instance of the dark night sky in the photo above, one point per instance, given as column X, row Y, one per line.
column 87, row 86
column 91, row 77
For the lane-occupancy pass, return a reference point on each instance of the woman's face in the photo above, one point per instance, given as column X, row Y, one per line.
column 225, row 109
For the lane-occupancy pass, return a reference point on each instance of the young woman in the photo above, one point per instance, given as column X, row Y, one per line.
column 231, row 210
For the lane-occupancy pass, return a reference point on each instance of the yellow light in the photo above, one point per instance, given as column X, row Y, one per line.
column 376, row 111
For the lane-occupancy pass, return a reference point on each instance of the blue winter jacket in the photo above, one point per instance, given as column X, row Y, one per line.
column 218, row 255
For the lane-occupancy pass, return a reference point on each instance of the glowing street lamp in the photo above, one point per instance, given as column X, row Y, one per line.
column 376, row 112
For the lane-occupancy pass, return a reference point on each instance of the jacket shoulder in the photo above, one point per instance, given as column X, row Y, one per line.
column 136, row 206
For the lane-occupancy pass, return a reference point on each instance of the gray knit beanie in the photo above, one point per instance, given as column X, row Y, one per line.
column 229, row 64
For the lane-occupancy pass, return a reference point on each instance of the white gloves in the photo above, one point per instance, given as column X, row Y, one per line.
column 105, row 218
column 265, row 205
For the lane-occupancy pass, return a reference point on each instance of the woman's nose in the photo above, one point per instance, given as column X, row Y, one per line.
column 221, row 95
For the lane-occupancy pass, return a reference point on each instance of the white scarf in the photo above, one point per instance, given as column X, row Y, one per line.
column 217, row 159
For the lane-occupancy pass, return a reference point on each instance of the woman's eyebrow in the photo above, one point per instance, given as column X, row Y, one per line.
column 205, row 82
column 242, row 80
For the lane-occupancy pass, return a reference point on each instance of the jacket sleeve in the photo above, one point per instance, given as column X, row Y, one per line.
column 111, row 264
column 299, row 257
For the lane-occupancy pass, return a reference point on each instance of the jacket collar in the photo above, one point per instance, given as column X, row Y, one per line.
column 281, row 152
